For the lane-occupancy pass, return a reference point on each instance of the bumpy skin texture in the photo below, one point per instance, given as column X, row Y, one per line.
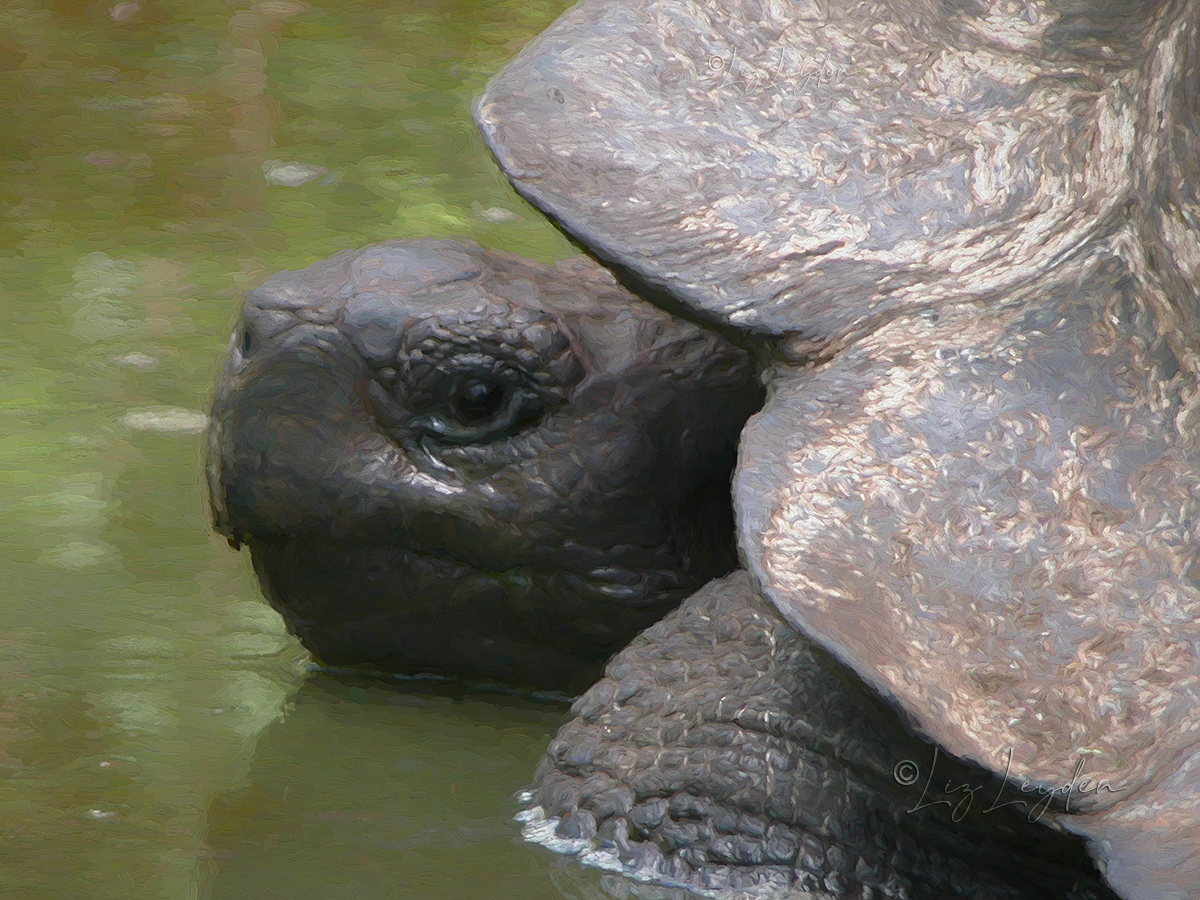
column 974, row 231
column 455, row 461
column 725, row 751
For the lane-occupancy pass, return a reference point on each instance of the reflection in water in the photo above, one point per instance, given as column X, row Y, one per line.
column 154, row 165
column 365, row 790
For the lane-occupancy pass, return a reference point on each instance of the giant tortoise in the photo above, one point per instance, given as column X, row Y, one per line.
column 449, row 460
column 970, row 234
column 964, row 237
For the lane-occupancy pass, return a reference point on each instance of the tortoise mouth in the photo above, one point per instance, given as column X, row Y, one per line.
column 401, row 611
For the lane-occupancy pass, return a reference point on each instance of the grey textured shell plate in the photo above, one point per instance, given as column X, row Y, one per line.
column 992, row 518
column 802, row 166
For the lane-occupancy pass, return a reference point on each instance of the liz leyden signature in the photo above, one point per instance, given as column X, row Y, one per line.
column 908, row 772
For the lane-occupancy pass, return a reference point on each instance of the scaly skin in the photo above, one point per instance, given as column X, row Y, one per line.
column 723, row 750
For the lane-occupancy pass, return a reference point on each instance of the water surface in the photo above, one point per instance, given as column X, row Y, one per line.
column 159, row 733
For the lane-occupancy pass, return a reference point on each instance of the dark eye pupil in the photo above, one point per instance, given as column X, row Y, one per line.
column 477, row 401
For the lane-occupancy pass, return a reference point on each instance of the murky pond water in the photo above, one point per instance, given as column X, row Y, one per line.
column 159, row 733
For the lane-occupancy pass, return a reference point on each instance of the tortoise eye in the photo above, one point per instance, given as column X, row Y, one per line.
column 474, row 401
column 464, row 408
column 475, row 405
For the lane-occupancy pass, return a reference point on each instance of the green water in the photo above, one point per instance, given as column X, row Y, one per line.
column 159, row 733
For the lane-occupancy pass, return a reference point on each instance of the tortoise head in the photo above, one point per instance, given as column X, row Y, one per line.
column 449, row 460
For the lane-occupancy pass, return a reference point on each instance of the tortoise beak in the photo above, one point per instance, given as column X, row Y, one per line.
column 283, row 439
column 216, row 490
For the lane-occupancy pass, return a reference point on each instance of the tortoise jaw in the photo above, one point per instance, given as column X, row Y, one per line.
column 394, row 610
